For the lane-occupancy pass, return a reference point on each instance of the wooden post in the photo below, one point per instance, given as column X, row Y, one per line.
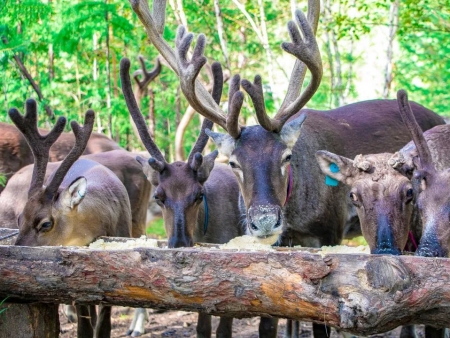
column 27, row 320
column 362, row 294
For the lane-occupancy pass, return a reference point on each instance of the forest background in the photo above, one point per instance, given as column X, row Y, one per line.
column 71, row 49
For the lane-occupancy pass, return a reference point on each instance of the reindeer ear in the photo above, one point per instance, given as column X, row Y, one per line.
column 207, row 165
column 224, row 142
column 75, row 192
column 149, row 172
column 291, row 131
column 336, row 168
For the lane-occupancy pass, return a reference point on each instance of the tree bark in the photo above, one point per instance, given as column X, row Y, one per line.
column 362, row 294
column 393, row 25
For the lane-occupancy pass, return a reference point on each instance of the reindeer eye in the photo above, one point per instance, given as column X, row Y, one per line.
column 200, row 197
column 409, row 195
column 288, row 158
column 46, row 226
column 158, row 199
column 233, row 165
column 354, row 198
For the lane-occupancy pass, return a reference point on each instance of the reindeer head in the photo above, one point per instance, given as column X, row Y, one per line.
column 382, row 197
column 50, row 214
column 178, row 186
column 432, row 190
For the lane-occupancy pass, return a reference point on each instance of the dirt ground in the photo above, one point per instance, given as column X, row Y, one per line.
column 180, row 324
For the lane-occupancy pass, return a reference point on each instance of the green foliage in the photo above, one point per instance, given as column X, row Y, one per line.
column 73, row 49
column 156, row 228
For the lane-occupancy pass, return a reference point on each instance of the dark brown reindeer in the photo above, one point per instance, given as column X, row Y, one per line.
column 81, row 201
column 315, row 213
column 15, row 152
column 199, row 199
column 431, row 185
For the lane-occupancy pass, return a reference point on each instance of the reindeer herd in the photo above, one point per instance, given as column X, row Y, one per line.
column 304, row 177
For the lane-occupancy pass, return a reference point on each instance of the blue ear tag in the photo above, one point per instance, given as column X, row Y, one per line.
column 329, row 180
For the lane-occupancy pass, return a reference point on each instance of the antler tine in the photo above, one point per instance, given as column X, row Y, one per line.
column 147, row 76
column 416, row 132
column 299, row 70
column 188, row 72
column 202, row 139
column 256, row 94
column 40, row 145
column 308, row 52
column 82, row 134
column 154, row 24
column 235, row 101
column 136, row 112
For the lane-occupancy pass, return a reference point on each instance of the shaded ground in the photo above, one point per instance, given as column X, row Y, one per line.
column 180, row 324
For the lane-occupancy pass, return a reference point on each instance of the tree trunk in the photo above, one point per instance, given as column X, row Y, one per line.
column 179, row 135
column 393, row 24
column 362, row 294
column 30, row 79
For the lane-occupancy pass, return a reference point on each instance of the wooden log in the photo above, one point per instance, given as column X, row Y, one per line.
column 362, row 294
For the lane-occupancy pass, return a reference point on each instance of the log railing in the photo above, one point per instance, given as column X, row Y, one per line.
column 362, row 294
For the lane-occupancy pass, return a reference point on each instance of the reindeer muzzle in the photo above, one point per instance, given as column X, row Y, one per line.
column 264, row 220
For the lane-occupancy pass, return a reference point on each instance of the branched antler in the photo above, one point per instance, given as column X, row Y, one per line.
column 39, row 145
column 147, row 77
column 82, row 134
column 189, row 71
column 304, row 49
column 426, row 160
column 136, row 112
column 202, row 139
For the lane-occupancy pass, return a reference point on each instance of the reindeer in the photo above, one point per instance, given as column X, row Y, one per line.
column 15, row 153
column 284, row 192
column 199, row 199
column 81, row 200
column 381, row 190
column 428, row 168
column 432, row 192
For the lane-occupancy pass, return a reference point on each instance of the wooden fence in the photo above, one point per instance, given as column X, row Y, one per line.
column 362, row 294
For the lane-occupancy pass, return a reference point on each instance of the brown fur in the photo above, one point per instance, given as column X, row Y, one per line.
column 432, row 189
column 379, row 194
column 316, row 214
column 121, row 162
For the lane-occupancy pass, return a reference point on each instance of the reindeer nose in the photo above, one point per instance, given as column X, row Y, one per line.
column 264, row 219
column 180, row 242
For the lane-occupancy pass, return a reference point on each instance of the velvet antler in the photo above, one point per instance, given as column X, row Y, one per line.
column 416, row 132
column 136, row 114
column 202, row 139
column 82, row 134
column 39, row 145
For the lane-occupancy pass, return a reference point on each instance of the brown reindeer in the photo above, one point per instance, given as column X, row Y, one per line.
column 284, row 192
column 80, row 201
column 381, row 190
column 15, row 153
column 428, row 167
column 199, row 199
column 431, row 185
